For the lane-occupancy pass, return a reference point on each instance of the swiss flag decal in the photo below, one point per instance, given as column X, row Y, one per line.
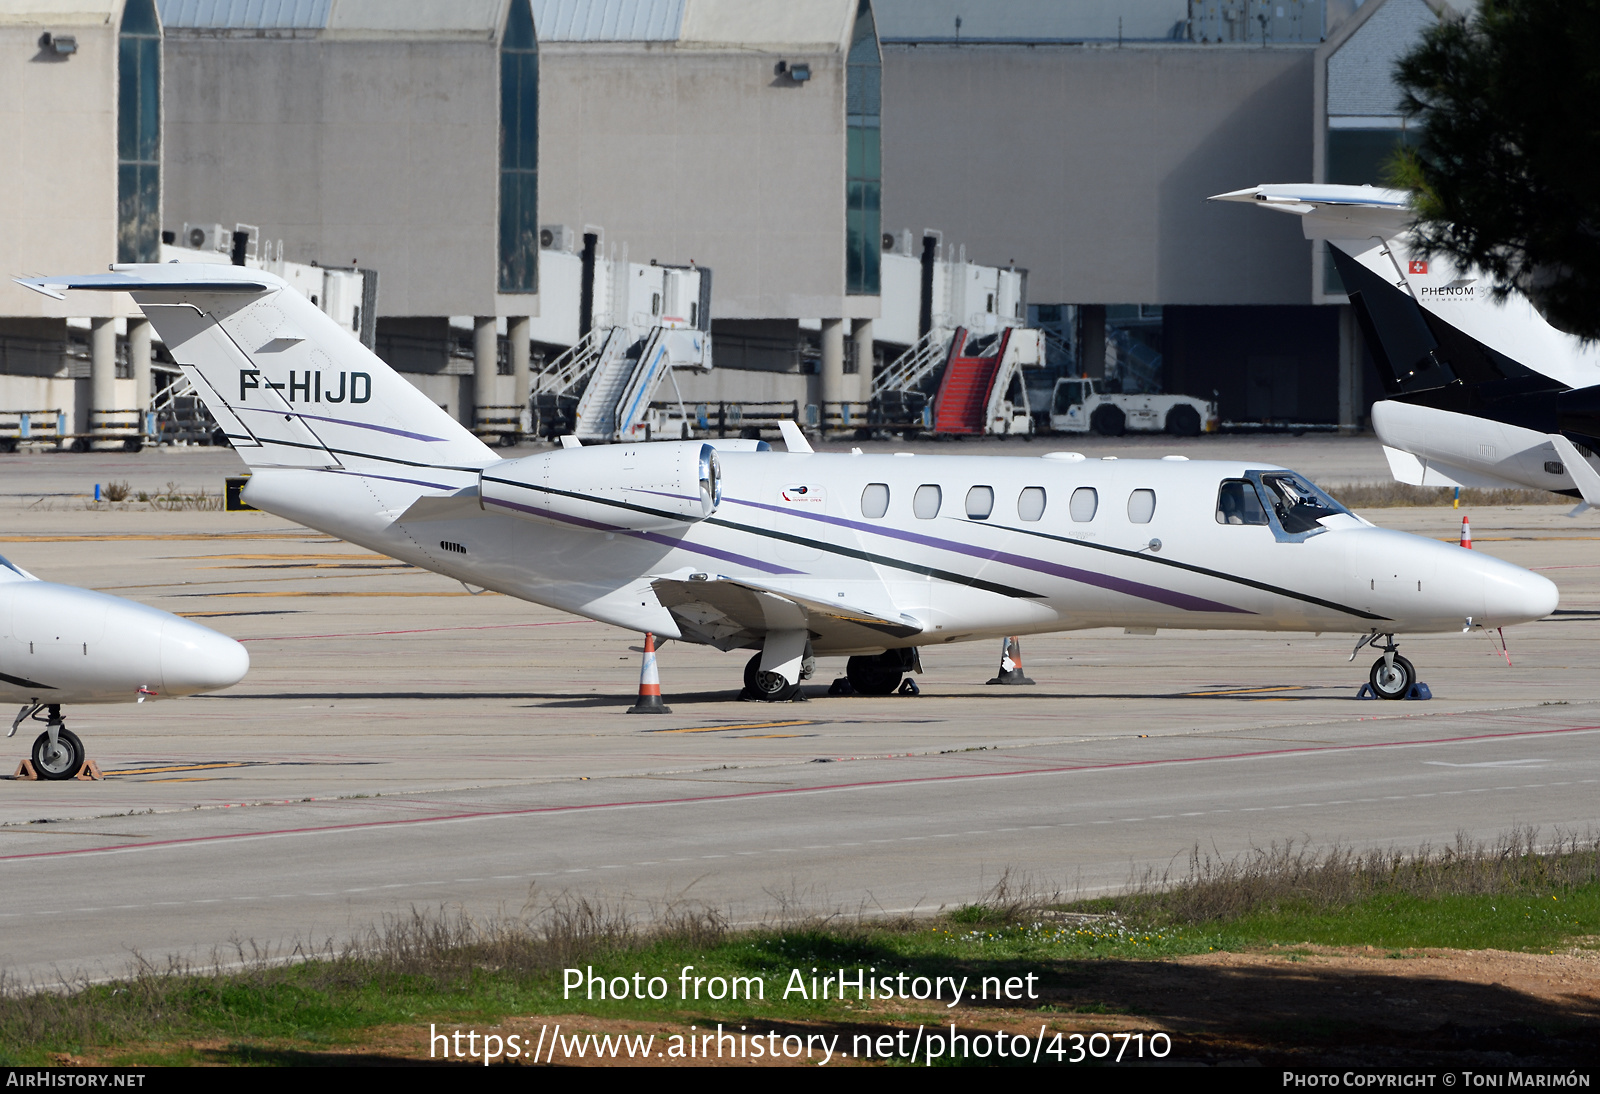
column 1418, row 266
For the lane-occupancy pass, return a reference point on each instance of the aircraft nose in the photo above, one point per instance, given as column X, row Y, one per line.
column 196, row 659
column 1514, row 595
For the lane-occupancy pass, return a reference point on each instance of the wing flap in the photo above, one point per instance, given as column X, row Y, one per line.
column 730, row 613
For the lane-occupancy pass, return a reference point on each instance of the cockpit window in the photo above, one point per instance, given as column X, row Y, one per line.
column 6, row 563
column 1298, row 504
column 1238, row 503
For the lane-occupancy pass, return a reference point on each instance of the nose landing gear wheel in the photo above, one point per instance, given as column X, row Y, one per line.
column 61, row 761
column 768, row 687
column 1392, row 681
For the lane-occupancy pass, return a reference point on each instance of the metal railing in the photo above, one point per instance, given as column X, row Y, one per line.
column 919, row 360
column 571, row 367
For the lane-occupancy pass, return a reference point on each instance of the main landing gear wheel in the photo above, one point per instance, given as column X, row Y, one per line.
column 62, row 760
column 1392, row 681
column 878, row 675
column 769, row 687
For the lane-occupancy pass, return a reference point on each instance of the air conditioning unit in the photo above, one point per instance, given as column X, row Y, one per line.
column 556, row 237
column 206, row 237
column 898, row 243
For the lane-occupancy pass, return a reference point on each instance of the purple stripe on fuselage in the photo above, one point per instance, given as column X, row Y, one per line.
column 343, row 421
column 653, row 537
column 1072, row 573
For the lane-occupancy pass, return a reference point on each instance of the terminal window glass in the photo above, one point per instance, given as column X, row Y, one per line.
column 1083, row 504
column 980, row 502
column 863, row 158
column 925, row 503
column 1030, row 503
column 139, row 134
column 519, row 153
column 875, row 500
column 1141, row 506
column 1238, row 503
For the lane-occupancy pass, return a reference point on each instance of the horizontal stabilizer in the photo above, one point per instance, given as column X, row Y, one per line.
column 1415, row 471
column 172, row 277
column 1333, row 212
column 288, row 385
column 729, row 613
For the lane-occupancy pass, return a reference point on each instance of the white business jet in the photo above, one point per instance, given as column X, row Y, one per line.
column 1480, row 392
column 795, row 554
column 61, row 645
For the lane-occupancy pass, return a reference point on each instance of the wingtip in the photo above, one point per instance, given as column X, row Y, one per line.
column 40, row 286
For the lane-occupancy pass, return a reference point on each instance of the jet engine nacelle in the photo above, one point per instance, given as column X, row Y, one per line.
column 638, row 487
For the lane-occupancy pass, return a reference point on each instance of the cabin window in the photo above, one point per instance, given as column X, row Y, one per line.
column 925, row 504
column 1084, row 503
column 1141, row 506
column 980, row 502
column 875, row 500
column 1030, row 503
column 1238, row 503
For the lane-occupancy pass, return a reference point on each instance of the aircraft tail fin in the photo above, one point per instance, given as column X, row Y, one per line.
column 286, row 383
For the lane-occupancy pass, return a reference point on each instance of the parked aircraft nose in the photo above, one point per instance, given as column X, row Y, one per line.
column 196, row 659
column 1513, row 595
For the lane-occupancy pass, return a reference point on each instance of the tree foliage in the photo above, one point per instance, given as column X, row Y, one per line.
column 1506, row 175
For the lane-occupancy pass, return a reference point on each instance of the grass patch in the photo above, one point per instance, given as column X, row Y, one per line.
column 1392, row 495
column 297, row 1007
column 1514, row 894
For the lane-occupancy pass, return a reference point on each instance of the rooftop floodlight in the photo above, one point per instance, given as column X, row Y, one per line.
column 800, row 73
column 59, row 43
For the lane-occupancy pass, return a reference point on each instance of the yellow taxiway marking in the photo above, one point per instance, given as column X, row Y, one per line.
column 747, row 725
column 284, row 557
column 175, row 767
column 286, row 592
column 187, row 536
column 361, row 564
column 1243, row 691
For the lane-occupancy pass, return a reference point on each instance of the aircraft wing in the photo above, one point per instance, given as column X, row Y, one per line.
column 729, row 613
column 1333, row 212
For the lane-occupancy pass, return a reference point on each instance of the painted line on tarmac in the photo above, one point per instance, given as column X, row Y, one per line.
column 415, row 630
column 742, row 725
column 186, row 536
column 291, row 592
column 501, row 814
column 419, row 883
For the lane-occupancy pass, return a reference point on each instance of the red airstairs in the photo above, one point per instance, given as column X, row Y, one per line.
column 962, row 405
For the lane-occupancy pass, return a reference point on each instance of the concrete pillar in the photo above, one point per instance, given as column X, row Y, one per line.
column 1349, row 370
column 832, row 387
column 102, row 369
column 518, row 330
column 139, row 361
column 862, row 335
column 1092, row 340
column 485, row 365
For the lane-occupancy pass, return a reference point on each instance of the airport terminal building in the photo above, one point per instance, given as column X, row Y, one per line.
column 472, row 163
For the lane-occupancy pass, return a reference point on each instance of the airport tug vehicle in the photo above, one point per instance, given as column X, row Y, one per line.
column 798, row 554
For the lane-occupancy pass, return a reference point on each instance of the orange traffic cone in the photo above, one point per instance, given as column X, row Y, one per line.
column 649, row 682
column 1011, row 663
column 1466, row 533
